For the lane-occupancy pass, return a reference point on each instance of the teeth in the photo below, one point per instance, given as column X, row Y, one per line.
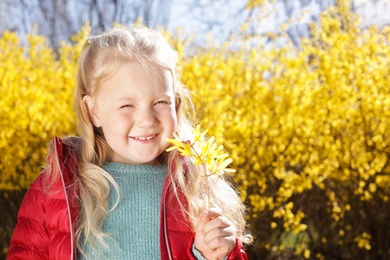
column 144, row 138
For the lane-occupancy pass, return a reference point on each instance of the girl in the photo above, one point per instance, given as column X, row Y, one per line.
column 114, row 192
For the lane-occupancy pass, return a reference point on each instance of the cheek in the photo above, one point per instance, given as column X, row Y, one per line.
column 115, row 124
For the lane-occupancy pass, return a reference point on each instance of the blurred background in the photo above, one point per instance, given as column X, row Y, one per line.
column 298, row 92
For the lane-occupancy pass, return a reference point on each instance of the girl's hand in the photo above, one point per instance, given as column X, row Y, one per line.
column 215, row 236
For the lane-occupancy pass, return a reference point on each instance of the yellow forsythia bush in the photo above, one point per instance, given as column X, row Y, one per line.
column 307, row 128
column 36, row 90
column 309, row 132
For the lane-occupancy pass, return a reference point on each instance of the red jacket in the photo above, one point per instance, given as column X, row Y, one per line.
column 45, row 228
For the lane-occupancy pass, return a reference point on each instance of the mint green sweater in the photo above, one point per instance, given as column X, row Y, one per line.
column 134, row 224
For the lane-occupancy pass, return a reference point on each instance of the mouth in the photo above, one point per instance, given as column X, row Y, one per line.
column 143, row 138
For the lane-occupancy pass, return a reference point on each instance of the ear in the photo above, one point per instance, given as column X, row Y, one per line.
column 92, row 110
column 177, row 102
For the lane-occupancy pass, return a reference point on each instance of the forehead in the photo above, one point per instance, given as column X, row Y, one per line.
column 137, row 77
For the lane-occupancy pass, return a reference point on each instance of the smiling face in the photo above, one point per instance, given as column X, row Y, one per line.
column 136, row 111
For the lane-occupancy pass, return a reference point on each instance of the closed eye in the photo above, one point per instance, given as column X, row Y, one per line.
column 162, row 102
column 127, row 105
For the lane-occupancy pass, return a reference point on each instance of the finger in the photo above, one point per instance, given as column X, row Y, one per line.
column 215, row 237
column 202, row 221
column 216, row 223
column 222, row 246
column 214, row 213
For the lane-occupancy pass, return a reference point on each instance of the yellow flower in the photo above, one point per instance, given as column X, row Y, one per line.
column 201, row 152
column 206, row 153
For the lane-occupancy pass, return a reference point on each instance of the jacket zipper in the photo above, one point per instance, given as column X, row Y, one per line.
column 166, row 231
column 67, row 204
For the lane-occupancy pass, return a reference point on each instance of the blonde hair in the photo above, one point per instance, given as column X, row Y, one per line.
column 100, row 57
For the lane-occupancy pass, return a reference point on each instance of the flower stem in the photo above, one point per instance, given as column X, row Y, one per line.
column 207, row 188
column 208, row 202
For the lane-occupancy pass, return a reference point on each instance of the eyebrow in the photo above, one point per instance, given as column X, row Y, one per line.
column 129, row 98
column 124, row 98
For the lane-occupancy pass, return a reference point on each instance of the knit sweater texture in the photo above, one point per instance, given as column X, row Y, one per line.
column 134, row 223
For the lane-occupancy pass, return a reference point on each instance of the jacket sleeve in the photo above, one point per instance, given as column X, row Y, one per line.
column 30, row 239
column 237, row 253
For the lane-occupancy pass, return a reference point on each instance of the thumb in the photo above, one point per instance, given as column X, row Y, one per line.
column 202, row 221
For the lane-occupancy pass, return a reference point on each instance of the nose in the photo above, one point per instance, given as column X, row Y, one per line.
column 146, row 117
